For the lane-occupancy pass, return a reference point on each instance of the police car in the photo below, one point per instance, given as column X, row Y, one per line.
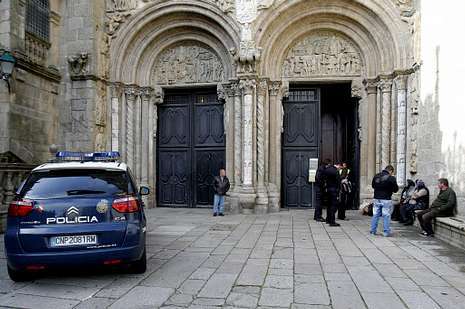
column 82, row 209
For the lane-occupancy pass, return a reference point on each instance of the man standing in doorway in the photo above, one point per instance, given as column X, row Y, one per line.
column 445, row 205
column 332, row 180
column 384, row 185
column 220, row 186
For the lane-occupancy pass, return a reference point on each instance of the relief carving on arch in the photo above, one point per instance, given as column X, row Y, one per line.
column 322, row 54
column 187, row 63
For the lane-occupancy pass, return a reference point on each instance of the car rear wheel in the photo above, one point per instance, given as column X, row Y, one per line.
column 19, row 276
column 140, row 266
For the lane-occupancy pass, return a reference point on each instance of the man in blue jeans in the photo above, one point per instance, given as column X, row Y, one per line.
column 220, row 186
column 384, row 185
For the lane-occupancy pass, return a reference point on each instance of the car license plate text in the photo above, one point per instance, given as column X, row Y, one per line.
column 73, row 240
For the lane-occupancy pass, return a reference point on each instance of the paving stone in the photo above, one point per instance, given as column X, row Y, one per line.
column 119, row 287
column 303, row 306
column 376, row 300
column 95, row 303
column 58, row 291
column 402, row 284
column 180, row 299
column 446, row 297
column 242, row 300
column 204, row 301
column 173, row 273
column 202, row 274
column 218, row 286
column 19, row 300
column 315, row 293
column 417, row 299
column 308, row 269
column 255, row 290
column 254, row 272
column 142, row 296
column 276, row 297
column 192, row 286
column 282, row 263
column 279, row 282
column 344, row 295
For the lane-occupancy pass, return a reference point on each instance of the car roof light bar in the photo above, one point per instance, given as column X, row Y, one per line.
column 87, row 156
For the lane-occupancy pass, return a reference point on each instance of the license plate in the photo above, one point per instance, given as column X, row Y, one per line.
column 73, row 240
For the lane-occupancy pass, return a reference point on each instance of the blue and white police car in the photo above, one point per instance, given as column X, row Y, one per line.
column 82, row 209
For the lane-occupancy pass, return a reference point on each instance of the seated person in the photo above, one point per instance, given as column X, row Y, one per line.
column 445, row 205
column 419, row 200
column 404, row 198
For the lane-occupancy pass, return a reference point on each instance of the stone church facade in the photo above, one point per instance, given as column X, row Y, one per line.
column 103, row 79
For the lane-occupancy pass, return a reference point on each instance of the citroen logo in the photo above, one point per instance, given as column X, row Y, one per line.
column 72, row 212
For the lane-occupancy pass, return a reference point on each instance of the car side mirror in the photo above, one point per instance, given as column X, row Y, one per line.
column 144, row 190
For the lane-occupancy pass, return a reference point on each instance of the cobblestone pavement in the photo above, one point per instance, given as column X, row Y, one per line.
column 283, row 260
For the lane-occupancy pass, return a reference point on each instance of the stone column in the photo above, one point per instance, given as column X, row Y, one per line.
column 155, row 100
column 277, row 91
column 138, row 136
column 401, row 152
column 146, row 135
column 261, row 206
column 233, row 148
column 116, row 94
column 130, row 92
column 360, row 105
column 386, row 88
column 371, row 101
column 247, row 197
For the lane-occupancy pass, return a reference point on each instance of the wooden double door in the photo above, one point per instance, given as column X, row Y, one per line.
column 190, row 147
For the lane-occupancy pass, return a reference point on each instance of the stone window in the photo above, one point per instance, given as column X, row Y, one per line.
column 38, row 19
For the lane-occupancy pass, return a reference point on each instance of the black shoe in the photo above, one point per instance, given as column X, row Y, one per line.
column 320, row 220
column 334, row 224
column 401, row 221
column 221, row 214
column 408, row 223
column 215, row 214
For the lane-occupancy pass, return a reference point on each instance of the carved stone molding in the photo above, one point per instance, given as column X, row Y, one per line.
column 116, row 89
column 402, row 82
column 226, row 6
column 187, row 64
column 114, row 20
column 220, row 92
column 120, row 5
column 231, row 89
column 322, row 54
column 247, row 58
column 131, row 91
column 275, row 87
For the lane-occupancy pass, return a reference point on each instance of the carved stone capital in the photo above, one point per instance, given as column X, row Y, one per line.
column 131, row 91
column 356, row 90
column 146, row 93
column 285, row 89
column 385, row 85
column 220, row 92
column 158, row 95
column 247, row 85
column 371, row 86
column 275, row 87
column 231, row 89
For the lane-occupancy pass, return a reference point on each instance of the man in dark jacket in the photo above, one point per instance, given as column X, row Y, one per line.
column 320, row 187
column 220, row 186
column 384, row 185
column 332, row 180
column 445, row 205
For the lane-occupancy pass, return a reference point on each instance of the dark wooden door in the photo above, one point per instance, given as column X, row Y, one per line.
column 190, row 148
column 300, row 142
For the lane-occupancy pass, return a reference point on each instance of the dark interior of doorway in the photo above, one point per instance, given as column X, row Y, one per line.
column 340, row 130
column 336, row 125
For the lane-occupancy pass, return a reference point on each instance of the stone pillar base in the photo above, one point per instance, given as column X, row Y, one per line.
column 262, row 202
column 234, row 207
column 247, row 198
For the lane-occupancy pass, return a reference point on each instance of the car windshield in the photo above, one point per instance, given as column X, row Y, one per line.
column 72, row 183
